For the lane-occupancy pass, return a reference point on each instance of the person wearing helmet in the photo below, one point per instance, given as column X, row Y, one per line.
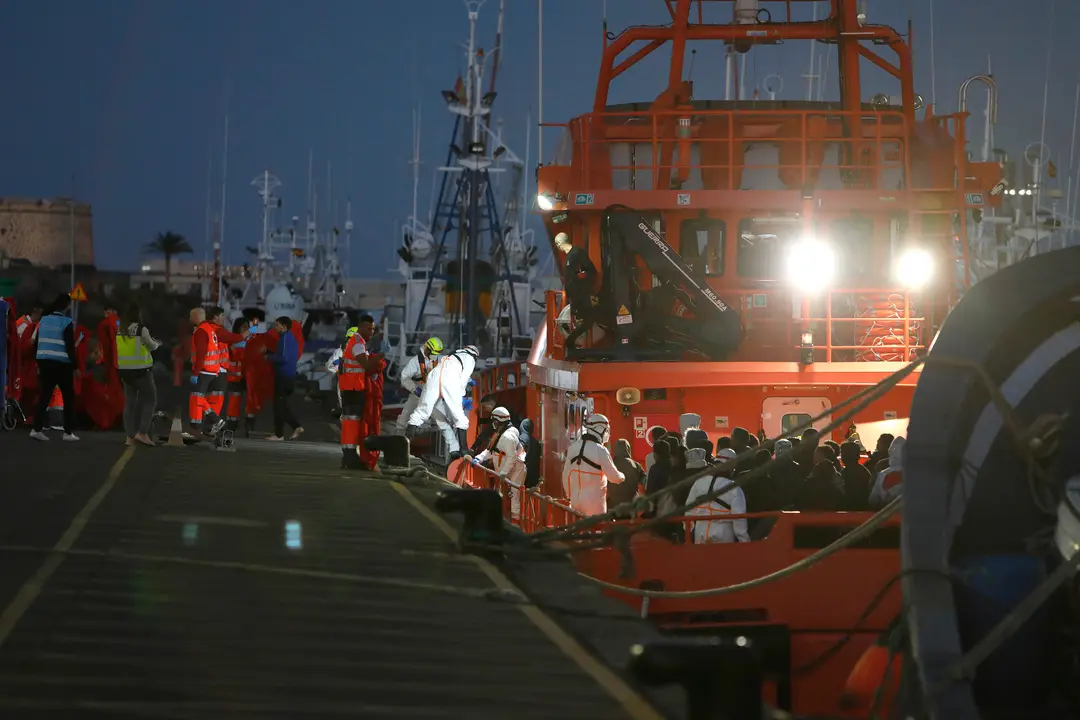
column 333, row 363
column 506, row 455
column 413, row 377
column 443, row 391
column 589, row 468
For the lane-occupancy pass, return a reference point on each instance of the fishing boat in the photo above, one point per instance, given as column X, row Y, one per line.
column 470, row 267
column 760, row 262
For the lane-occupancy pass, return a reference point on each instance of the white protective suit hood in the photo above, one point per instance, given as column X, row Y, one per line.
column 695, row 459
column 896, row 453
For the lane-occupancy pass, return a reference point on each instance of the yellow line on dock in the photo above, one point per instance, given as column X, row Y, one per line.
column 631, row 701
column 30, row 590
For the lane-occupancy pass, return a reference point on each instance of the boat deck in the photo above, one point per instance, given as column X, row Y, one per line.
column 265, row 582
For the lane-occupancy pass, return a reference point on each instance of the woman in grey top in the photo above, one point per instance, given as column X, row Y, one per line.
column 140, row 392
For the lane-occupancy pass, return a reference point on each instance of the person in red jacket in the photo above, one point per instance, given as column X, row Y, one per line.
column 235, row 393
column 27, row 379
column 106, row 335
column 371, row 417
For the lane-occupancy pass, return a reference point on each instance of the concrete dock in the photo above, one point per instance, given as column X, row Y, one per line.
column 267, row 583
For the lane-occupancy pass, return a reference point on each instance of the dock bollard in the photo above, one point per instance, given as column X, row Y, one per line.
column 176, row 432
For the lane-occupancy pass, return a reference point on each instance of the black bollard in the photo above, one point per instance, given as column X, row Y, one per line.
column 482, row 510
column 722, row 678
column 395, row 449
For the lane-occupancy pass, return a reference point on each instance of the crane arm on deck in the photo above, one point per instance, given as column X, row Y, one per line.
column 683, row 311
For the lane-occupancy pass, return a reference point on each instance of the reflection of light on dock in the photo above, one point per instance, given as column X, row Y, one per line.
column 191, row 533
column 293, row 535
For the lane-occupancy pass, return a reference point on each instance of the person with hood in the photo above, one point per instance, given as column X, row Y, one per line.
column 658, row 477
column 655, row 436
column 823, row 489
column 443, row 391
column 732, row 502
column 534, row 453
column 134, row 365
column 625, row 492
column 414, row 377
column 589, row 468
column 785, row 478
column 857, row 479
column 506, row 455
column 889, row 483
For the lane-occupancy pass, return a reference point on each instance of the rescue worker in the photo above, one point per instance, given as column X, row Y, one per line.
column 732, row 502
column 413, row 377
column 235, row 376
column 507, row 456
column 54, row 342
column 356, row 362
column 216, row 396
column 206, row 356
column 333, row 365
column 443, row 392
column 589, row 468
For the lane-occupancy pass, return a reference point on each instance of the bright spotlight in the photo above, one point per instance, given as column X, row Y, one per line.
column 544, row 202
column 914, row 268
column 811, row 265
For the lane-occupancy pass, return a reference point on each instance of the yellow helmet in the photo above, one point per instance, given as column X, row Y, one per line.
column 434, row 346
column 351, row 331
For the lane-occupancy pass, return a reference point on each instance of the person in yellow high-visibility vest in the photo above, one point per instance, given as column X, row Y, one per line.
column 134, row 363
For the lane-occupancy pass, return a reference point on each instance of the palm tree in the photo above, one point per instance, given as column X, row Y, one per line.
column 169, row 244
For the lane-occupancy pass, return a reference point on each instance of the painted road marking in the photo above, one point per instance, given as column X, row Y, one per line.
column 31, row 589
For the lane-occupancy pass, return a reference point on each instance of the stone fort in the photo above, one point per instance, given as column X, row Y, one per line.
column 39, row 231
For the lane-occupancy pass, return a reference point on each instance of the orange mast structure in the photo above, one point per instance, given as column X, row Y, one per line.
column 816, row 222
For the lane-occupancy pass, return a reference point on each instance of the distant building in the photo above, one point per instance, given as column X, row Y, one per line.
column 38, row 231
column 186, row 275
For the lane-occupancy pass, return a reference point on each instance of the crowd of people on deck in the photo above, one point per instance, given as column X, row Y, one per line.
column 803, row 473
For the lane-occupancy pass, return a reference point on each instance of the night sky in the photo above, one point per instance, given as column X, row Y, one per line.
column 130, row 96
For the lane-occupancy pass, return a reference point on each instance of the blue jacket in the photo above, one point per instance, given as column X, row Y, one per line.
column 286, row 356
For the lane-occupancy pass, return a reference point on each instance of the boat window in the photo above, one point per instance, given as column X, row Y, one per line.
column 793, row 421
column 701, row 244
column 761, row 247
column 854, row 240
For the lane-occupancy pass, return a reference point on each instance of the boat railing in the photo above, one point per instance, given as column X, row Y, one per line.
column 845, row 325
column 739, row 149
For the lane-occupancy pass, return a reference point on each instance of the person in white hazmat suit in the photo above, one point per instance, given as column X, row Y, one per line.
column 443, row 391
column 507, row 457
column 732, row 502
column 589, row 468
column 414, row 378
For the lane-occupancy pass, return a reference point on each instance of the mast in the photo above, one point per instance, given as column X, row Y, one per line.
column 208, row 238
column 218, row 289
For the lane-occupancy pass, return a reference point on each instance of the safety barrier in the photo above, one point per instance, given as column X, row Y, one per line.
column 706, row 149
column 846, row 325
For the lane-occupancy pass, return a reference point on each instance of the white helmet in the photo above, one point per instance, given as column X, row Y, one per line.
column 471, row 350
column 500, row 415
column 598, row 425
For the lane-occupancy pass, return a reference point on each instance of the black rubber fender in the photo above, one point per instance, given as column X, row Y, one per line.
column 965, row 489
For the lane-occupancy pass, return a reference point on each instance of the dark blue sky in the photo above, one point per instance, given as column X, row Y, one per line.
column 129, row 95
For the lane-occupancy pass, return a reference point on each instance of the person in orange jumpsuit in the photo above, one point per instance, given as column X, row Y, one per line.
column 27, row 379
column 371, row 418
